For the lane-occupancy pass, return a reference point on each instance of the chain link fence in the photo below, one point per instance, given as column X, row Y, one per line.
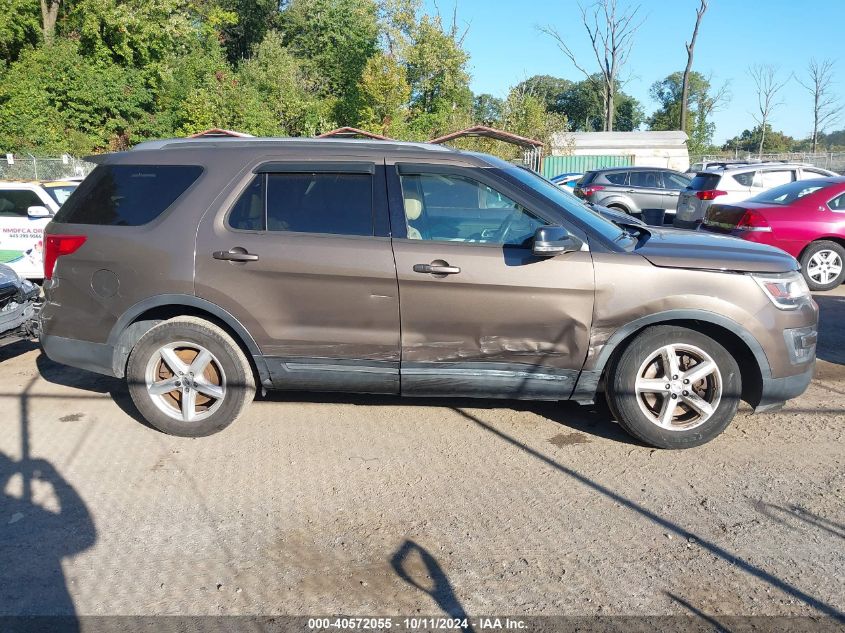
column 834, row 161
column 17, row 167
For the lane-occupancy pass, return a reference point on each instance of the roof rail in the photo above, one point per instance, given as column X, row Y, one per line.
column 176, row 143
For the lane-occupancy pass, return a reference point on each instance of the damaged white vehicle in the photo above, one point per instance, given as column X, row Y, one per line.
column 19, row 304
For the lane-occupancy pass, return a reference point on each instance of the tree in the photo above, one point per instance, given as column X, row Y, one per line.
column 384, row 93
column 335, row 38
column 611, row 31
column 488, row 110
column 690, row 46
column 49, row 15
column 826, row 106
column 441, row 99
column 582, row 104
column 254, row 19
column 19, row 29
column 752, row 140
column 768, row 86
column 548, row 89
column 702, row 101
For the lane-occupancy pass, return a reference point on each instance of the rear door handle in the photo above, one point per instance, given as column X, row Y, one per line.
column 436, row 269
column 236, row 254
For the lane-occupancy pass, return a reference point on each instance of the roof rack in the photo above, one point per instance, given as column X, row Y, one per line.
column 742, row 163
column 182, row 143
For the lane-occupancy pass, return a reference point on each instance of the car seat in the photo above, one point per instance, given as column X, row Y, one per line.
column 413, row 211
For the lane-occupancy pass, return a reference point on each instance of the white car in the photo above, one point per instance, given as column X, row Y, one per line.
column 25, row 209
column 730, row 182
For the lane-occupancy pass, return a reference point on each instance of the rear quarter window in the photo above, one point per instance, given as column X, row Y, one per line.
column 127, row 195
column 618, row 178
column 705, row 182
column 745, row 179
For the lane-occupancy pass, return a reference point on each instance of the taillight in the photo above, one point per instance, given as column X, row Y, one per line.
column 753, row 221
column 57, row 245
column 710, row 194
column 590, row 190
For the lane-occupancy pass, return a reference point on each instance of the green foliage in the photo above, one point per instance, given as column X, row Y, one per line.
column 383, row 93
column 334, row 38
column 56, row 100
column 583, row 105
column 19, row 28
column 550, row 90
column 254, row 19
column 700, row 127
column 749, row 141
column 488, row 110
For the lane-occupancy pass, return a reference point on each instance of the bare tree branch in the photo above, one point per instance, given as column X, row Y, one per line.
column 826, row 106
column 690, row 46
column 611, row 33
column 767, row 84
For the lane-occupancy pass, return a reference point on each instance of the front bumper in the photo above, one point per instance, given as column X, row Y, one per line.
column 776, row 391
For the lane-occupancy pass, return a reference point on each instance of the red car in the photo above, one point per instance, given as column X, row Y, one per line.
column 806, row 218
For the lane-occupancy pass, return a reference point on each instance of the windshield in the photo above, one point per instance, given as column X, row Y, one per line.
column 60, row 193
column 789, row 192
column 569, row 203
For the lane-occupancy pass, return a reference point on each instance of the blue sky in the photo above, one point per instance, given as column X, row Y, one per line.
column 505, row 47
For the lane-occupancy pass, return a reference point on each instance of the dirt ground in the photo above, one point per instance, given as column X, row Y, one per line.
column 320, row 504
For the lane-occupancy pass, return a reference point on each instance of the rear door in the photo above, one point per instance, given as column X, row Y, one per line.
column 481, row 316
column 646, row 189
column 300, row 254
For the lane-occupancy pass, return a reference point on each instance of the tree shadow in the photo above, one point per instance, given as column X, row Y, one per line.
column 428, row 578
column 710, row 547
column 35, row 537
column 15, row 347
column 780, row 514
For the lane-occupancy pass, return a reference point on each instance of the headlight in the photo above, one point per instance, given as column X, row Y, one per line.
column 787, row 291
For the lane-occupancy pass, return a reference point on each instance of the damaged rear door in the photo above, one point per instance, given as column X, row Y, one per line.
column 480, row 314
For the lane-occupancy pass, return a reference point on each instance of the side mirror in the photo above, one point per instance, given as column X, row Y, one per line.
column 554, row 240
column 38, row 211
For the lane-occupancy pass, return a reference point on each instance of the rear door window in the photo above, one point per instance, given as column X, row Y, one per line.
column 773, row 178
column 337, row 204
column 127, row 195
column 14, row 203
column 674, row 182
column 745, row 179
column 644, row 180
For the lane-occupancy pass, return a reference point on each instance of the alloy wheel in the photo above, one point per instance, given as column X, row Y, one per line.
column 824, row 266
column 185, row 381
column 679, row 387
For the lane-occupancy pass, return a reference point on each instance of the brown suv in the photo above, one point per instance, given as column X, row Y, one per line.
column 199, row 269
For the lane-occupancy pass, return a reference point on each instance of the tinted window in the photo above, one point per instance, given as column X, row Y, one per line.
column 587, row 179
column 127, row 195
column 248, row 212
column 838, row 203
column 644, row 179
column 339, row 204
column 15, row 202
column 789, row 192
column 704, row 182
column 675, row 181
column 745, row 179
column 618, row 178
column 456, row 208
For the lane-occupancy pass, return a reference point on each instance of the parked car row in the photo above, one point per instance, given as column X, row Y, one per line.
column 795, row 207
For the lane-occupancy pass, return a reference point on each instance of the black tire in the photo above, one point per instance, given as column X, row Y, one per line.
column 619, row 207
column 624, row 401
column 814, row 249
column 234, row 376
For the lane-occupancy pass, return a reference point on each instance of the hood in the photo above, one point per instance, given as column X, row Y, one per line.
column 675, row 248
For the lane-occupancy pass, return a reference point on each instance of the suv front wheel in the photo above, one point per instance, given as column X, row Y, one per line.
column 674, row 387
column 188, row 377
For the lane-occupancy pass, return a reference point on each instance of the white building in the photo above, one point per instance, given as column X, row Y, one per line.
column 648, row 149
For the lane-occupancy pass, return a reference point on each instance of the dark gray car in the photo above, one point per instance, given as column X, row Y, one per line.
column 202, row 269
column 632, row 189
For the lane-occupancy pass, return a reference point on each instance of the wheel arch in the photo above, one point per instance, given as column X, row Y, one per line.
column 741, row 344
column 142, row 316
column 824, row 238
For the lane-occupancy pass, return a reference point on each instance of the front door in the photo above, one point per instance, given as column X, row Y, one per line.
column 481, row 315
column 297, row 256
column 646, row 189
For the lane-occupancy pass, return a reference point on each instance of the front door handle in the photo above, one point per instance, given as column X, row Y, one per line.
column 436, row 268
column 236, row 254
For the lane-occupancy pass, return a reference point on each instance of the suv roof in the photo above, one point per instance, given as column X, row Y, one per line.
column 718, row 166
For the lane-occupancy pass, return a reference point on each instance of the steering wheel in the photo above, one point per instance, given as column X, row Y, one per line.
column 507, row 225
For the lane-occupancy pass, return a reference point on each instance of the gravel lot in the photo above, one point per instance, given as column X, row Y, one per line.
column 319, row 504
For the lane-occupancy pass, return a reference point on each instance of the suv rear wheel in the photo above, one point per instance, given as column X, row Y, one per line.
column 674, row 387
column 188, row 377
column 823, row 265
